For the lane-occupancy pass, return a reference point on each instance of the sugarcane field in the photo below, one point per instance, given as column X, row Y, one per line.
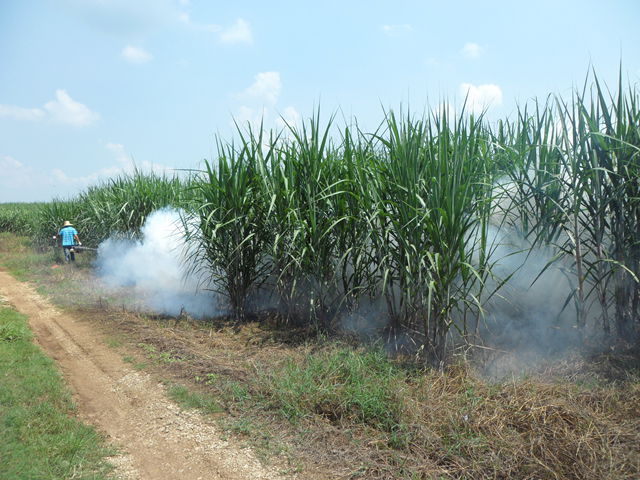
column 439, row 289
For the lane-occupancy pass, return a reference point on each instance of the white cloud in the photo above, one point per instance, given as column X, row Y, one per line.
column 125, row 164
column 22, row 183
column 248, row 115
column 289, row 116
column 259, row 104
column 185, row 18
column 14, row 173
column 63, row 109
column 472, row 50
column 266, row 87
column 481, row 97
column 78, row 183
column 21, row 113
column 396, row 30
column 135, row 54
column 119, row 152
column 239, row 32
column 125, row 17
column 136, row 18
column 9, row 164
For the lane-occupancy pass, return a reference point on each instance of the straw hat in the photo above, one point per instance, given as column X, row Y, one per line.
column 66, row 223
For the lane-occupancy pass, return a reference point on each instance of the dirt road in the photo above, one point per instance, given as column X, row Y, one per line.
column 160, row 441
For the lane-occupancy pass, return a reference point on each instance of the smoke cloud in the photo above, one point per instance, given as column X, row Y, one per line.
column 154, row 270
column 531, row 322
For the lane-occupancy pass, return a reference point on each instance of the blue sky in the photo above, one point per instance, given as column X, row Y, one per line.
column 88, row 87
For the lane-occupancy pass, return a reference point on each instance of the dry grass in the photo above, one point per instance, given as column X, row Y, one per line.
column 454, row 423
column 526, row 428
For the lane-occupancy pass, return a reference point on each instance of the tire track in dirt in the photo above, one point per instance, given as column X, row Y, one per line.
column 161, row 440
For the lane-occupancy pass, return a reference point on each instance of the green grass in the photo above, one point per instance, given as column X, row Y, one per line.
column 344, row 385
column 194, row 400
column 152, row 353
column 134, row 363
column 18, row 256
column 114, row 342
column 364, row 387
column 40, row 437
column 19, row 218
column 22, row 266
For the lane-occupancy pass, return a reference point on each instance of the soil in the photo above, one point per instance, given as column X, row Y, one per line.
column 159, row 440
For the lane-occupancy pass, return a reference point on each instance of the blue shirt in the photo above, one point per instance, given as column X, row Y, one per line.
column 67, row 234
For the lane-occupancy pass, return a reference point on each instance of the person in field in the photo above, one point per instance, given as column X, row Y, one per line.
column 69, row 239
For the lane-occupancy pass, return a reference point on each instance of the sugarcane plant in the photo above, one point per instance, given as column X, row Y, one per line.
column 228, row 225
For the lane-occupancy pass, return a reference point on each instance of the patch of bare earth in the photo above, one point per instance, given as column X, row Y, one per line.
column 159, row 439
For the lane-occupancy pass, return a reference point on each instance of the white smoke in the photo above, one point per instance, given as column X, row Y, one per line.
column 154, row 269
column 531, row 320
